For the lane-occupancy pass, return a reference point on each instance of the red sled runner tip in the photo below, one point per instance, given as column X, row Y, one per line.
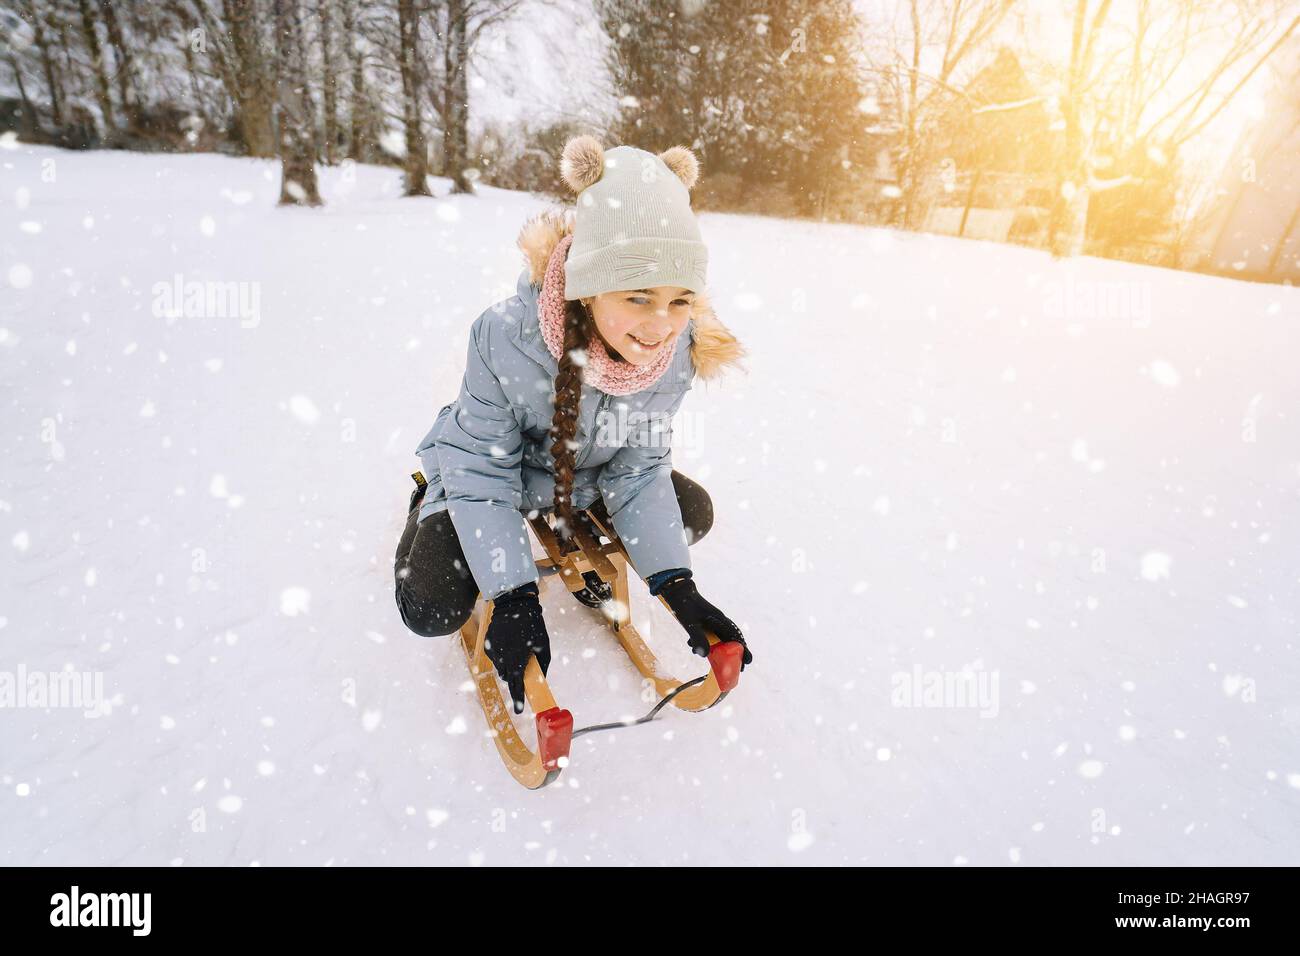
column 725, row 658
column 554, row 734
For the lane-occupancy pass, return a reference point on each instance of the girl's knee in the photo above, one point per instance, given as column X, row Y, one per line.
column 696, row 507
column 698, row 520
column 433, row 621
column 430, row 616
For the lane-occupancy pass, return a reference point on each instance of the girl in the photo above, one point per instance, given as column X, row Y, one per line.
column 567, row 402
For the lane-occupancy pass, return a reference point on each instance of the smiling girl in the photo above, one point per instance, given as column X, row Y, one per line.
column 610, row 323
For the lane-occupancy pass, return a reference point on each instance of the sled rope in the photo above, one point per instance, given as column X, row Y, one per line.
column 648, row 717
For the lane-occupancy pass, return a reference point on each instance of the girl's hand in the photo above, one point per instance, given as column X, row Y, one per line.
column 699, row 618
column 515, row 633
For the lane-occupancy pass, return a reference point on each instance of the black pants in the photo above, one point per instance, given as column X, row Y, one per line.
column 435, row 589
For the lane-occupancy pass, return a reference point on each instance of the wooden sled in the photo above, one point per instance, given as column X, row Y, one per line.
column 536, row 767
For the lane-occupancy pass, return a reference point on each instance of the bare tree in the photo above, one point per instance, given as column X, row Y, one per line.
column 358, row 110
column 91, row 38
column 125, row 66
column 455, row 99
column 252, row 76
column 215, row 43
column 329, row 88
column 1070, row 204
column 28, row 120
column 459, row 25
column 920, row 55
column 363, row 116
column 1116, row 89
column 49, row 64
column 416, row 180
column 297, row 151
column 1242, row 35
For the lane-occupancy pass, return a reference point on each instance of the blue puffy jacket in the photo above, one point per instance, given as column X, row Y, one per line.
column 487, row 457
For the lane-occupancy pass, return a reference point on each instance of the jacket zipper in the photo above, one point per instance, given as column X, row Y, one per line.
column 595, row 430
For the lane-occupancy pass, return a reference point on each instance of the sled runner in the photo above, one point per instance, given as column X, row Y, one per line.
column 535, row 768
column 532, row 768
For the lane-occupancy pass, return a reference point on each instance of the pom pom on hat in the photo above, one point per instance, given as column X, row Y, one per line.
column 583, row 162
column 682, row 162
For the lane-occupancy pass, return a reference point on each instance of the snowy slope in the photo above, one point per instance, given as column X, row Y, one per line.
column 932, row 464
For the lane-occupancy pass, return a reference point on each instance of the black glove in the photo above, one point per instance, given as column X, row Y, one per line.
column 515, row 633
column 697, row 616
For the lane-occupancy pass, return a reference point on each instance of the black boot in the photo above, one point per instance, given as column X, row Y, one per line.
column 596, row 594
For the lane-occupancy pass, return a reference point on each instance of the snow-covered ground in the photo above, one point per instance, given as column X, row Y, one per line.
column 944, row 462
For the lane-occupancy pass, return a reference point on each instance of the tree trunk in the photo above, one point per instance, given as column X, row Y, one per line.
column 48, row 65
column 1071, row 238
column 252, row 87
column 456, row 114
column 297, row 155
column 358, row 110
column 1069, row 217
column 329, row 90
column 126, row 90
column 359, row 141
column 91, row 38
column 311, row 127
column 415, row 181
column 27, row 125
column 909, row 162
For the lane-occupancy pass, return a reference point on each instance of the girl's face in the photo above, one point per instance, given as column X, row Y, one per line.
column 637, row 325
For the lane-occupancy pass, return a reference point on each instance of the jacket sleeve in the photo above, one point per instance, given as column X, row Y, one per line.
column 638, row 490
column 480, row 453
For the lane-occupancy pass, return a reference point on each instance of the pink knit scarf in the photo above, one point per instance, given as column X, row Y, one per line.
column 606, row 373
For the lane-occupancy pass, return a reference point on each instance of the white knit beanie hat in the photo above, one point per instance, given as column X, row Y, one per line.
column 633, row 225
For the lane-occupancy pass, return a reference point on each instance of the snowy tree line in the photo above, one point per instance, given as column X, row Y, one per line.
column 820, row 108
column 308, row 80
